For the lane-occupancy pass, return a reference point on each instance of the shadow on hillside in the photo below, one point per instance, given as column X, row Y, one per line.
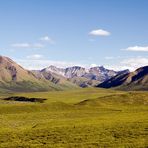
column 24, row 99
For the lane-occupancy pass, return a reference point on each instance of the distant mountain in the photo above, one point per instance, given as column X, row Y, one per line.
column 137, row 80
column 75, row 71
column 13, row 77
column 102, row 74
column 55, row 70
column 69, row 72
column 78, row 75
column 54, row 75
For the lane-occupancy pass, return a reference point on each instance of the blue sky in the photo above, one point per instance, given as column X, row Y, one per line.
column 38, row 33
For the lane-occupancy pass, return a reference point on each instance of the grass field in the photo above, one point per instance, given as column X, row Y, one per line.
column 84, row 118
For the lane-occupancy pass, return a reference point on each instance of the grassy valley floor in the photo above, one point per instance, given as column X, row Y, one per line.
column 84, row 118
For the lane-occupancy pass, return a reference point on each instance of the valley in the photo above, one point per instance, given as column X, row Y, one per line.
column 72, row 107
column 74, row 74
column 57, row 107
column 88, row 117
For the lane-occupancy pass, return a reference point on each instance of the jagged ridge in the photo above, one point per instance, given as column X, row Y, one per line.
column 137, row 80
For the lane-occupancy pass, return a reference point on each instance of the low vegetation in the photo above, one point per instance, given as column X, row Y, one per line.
column 87, row 118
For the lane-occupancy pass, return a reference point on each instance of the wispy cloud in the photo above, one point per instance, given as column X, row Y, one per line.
column 21, row 45
column 130, row 63
column 38, row 64
column 35, row 57
column 37, row 45
column 137, row 48
column 109, row 58
column 47, row 39
column 27, row 45
column 135, row 62
column 99, row 32
column 93, row 65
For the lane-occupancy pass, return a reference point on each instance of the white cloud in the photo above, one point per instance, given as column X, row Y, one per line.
column 34, row 45
column 99, row 32
column 109, row 58
column 37, row 45
column 130, row 63
column 35, row 57
column 93, row 65
column 21, row 45
column 135, row 63
column 47, row 39
column 27, row 45
column 137, row 48
column 38, row 64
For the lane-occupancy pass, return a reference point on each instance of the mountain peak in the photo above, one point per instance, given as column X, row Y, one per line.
column 54, row 69
column 137, row 80
column 5, row 59
column 80, row 74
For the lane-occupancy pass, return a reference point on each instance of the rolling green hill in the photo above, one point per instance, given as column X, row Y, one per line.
column 86, row 118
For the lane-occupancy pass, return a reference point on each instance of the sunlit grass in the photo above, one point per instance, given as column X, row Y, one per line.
column 64, row 121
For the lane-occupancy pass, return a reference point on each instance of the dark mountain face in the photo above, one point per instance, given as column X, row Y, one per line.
column 114, row 81
column 141, row 72
column 137, row 80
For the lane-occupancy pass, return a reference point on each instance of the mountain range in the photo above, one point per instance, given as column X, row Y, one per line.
column 13, row 77
column 137, row 80
column 78, row 75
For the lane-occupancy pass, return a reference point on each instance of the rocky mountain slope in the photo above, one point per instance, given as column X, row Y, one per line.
column 53, row 76
column 78, row 75
column 13, row 77
column 137, row 80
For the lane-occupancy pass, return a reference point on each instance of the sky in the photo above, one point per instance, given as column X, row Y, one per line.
column 40, row 33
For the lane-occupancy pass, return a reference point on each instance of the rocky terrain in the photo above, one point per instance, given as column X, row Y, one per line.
column 78, row 75
column 137, row 80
